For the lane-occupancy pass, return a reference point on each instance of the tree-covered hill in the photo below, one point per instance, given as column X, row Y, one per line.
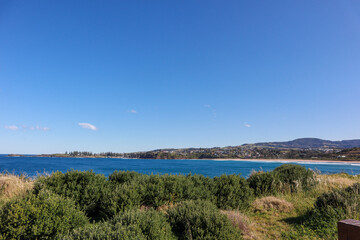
column 309, row 143
column 304, row 148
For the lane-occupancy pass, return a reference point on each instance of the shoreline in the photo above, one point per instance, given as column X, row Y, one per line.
column 215, row 159
column 287, row 160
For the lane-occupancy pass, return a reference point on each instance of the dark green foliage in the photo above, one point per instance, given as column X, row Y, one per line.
column 324, row 222
column 105, row 231
column 294, row 177
column 286, row 178
column 126, row 196
column 165, row 189
column 346, row 199
column 90, row 191
column 264, row 183
column 41, row 216
column 232, row 192
column 201, row 220
column 120, row 177
column 156, row 190
column 132, row 224
column 201, row 187
column 153, row 224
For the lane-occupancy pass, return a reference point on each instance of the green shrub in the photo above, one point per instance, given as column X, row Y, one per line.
column 158, row 190
column 89, row 190
column 191, row 187
column 153, row 224
column 41, row 216
column 176, row 188
column 154, row 191
column 263, row 183
column 121, row 177
column 201, row 220
column 126, row 196
column 294, row 177
column 104, row 231
column 332, row 207
column 201, row 187
column 232, row 192
column 346, row 199
column 132, row 224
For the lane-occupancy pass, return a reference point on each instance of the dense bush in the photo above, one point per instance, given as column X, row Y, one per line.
column 201, row 187
column 154, row 191
column 120, row 177
column 232, row 192
column 346, row 199
column 294, row 177
column 126, row 196
column 166, row 189
column 264, row 183
column 132, row 224
column 157, row 190
column 201, row 220
column 332, row 207
column 153, row 224
column 90, row 191
column 41, row 216
column 104, row 231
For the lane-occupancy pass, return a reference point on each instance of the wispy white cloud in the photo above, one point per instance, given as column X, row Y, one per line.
column 207, row 105
column 12, row 127
column 33, row 128
column 132, row 111
column 42, row 128
column 87, row 126
column 247, row 125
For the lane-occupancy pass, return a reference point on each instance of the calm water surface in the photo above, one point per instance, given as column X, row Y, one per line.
column 32, row 166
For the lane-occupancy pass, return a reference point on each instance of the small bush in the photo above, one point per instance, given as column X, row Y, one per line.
column 201, row 220
column 264, row 183
column 294, row 177
column 346, row 199
column 332, row 207
column 41, row 216
column 153, row 224
column 232, row 192
column 89, row 190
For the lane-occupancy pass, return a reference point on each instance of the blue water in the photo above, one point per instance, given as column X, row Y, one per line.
column 32, row 166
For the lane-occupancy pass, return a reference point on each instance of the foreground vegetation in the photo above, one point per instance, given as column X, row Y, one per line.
column 289, row 202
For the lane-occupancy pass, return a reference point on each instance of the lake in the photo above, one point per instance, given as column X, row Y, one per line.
column 31, row 166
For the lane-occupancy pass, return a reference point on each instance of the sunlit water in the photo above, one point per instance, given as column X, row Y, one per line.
column 31, row 166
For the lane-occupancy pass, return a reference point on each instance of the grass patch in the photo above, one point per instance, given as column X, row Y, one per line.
column 271, row 203
column 13, row 186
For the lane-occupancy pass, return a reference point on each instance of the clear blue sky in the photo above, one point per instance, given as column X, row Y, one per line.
column 127, row 76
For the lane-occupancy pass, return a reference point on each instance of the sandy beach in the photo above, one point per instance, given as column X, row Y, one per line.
column 287, row 160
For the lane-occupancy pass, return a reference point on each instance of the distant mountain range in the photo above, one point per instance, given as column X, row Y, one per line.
column 308, row 143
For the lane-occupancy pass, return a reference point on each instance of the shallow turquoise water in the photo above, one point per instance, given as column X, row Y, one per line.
column 32, row 166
